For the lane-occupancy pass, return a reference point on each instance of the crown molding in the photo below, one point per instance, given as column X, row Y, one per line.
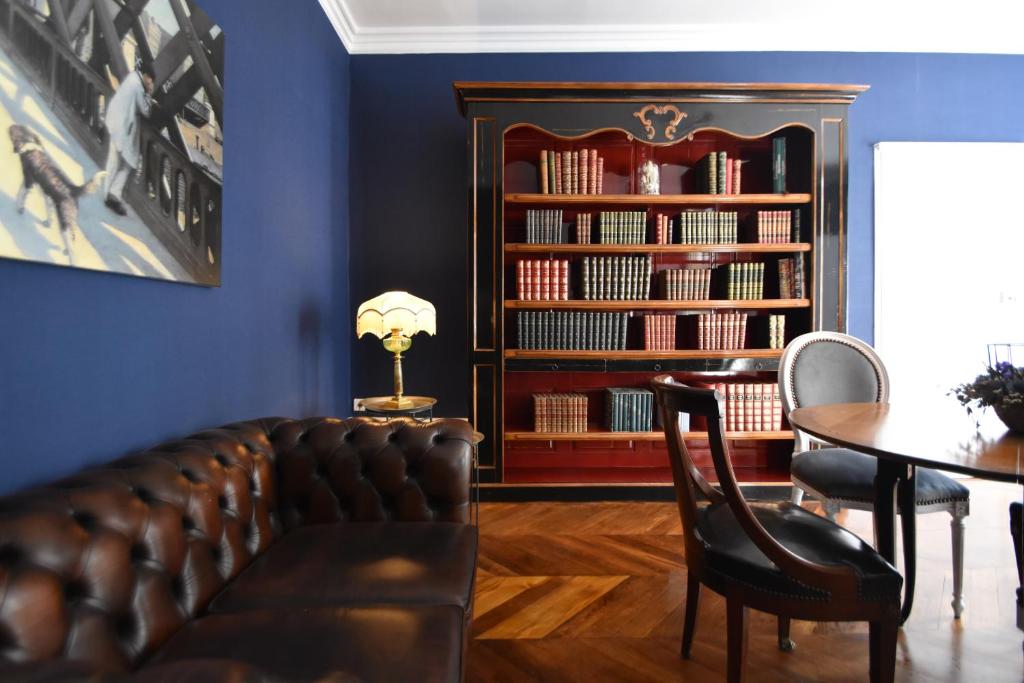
column 873, row 34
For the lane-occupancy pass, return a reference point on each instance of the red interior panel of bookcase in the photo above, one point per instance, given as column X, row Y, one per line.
column 523, row 145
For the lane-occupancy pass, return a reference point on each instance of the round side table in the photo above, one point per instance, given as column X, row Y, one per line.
column 419, row 408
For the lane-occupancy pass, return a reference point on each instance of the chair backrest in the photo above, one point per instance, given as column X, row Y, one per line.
column 829, row 367
column 674, row 398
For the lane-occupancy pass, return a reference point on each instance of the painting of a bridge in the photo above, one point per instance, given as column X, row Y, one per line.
column 111, row 136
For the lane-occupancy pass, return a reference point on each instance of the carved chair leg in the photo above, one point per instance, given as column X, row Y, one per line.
column 692, row 605
column 882, row 639
column 797, row 496
column 958, row 529
column 785, row 643
column 736, row 619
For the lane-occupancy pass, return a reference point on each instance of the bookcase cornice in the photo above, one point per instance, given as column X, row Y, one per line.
column 510, row 91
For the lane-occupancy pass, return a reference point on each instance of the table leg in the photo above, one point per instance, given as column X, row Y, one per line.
column 895, row 490
column 906, row 500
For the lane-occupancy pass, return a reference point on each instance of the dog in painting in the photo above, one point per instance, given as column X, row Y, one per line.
column 60, row 194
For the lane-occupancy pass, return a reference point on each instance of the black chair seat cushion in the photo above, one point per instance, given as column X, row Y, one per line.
column 730, row 552
column 372, row 643
column 358, row 563
column 842, row 474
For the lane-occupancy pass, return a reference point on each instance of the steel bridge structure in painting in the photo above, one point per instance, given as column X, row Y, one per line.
column 180, row 198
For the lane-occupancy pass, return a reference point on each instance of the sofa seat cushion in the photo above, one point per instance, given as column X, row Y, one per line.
column 372, row 643
column 354, row 563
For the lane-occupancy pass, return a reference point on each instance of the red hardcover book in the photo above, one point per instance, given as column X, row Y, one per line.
column 567, row 172
column 728, row 176
column 575, row 172
column 701, row 331
column 592, row 189
column 558, row 172
column 565, row 280
column 730, row 407
column 736, row 166
column 544, row 282
column 600, row 175
column 535, row 281
column 584, row 170
column 743, row 332
column 776, row 409
column 526, row 293
column 520, row 279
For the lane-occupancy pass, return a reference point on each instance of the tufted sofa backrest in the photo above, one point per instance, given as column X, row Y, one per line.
column 104, row 566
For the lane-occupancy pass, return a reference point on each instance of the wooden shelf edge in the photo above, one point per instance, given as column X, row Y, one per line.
column 659, row 199
column 657, row 304
column 740, row 247
column 638, row 354
column 641, row 436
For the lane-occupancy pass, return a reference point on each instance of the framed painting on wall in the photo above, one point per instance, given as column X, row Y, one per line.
column 113, row 110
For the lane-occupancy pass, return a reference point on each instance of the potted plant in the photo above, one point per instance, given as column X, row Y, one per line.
column 1001, row 386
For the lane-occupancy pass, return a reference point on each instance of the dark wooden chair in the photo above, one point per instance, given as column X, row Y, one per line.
column 774, row 557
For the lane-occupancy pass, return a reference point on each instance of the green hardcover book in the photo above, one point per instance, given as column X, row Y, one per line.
column 795, row 226
column 760, row 281
column 779, row 165
column 733, row 293
column 646, row 283
column 712, row 172
column 723, row 163
column 551, row 172
column 622, row 338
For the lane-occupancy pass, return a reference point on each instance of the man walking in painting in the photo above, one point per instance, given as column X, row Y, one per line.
column 124, row 155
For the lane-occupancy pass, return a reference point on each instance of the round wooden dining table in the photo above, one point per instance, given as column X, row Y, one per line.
column 904, row 437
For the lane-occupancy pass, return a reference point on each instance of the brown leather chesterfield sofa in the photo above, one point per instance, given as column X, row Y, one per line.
column 269, row 550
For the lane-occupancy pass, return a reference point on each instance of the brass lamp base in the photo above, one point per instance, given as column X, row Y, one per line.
column 396, row 403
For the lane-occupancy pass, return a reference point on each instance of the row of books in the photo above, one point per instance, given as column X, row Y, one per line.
column 662, row 229
column 751, row 407
column 721, row 331
column 708, row 227
column 776, row 331
column 777, row 227
column 544, row 226
column 659, row 332
column 622, row 227
column 628, row 409
column 609, row 331
column 542, row 279
column 584, row 224
column 560, row 412
column 746, row 281
column 617, row 278
column 571, row 172
column 685, row 284
column 792, row 280
column 718, row 174
column 572, row 330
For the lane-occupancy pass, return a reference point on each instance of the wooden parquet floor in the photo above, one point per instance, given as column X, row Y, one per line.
column 594, row 592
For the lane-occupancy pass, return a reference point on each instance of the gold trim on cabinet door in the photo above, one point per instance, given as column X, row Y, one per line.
column 494, row 409
column 474, row 250
column 841, row 218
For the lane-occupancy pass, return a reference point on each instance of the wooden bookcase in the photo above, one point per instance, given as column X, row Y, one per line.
column 675, row 125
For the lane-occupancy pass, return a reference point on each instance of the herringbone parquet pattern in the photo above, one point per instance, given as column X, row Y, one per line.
column 594, row 592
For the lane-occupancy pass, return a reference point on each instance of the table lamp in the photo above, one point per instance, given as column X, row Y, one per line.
column 395, row 317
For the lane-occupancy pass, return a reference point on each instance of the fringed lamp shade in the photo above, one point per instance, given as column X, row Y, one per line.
column 396, row 311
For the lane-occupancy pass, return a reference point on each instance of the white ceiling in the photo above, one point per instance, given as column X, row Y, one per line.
column 433, row 26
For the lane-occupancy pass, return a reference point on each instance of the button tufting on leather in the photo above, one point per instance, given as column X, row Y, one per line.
column 188, row 474
column 125, row 626
column 187, row 523
column 86, row 520
column 75, row 590
column 221, row 460
column 177, row 587
column 9, row 554
column 139, row 552
column 222, row 502
column 143, row 494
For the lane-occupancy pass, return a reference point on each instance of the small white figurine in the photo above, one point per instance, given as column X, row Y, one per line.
column 649, row 180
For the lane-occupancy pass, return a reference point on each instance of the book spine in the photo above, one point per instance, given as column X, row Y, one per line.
column 566, row 172
column 575, row 172
column 778, row 165
column 584, row 170
column 558, row 180
column 543, row 166
column 592, row 175
column 600, row 175
column 736, row 176
column 722, row 163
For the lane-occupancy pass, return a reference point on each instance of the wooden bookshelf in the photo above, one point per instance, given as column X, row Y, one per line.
column 740, row 248
column 639, row 354
column 658, row 199
column 657, row 304
column 509, row 125
column 602, row 435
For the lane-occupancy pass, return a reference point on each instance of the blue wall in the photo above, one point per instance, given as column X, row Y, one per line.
column 408, row 196
column 93, row 365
